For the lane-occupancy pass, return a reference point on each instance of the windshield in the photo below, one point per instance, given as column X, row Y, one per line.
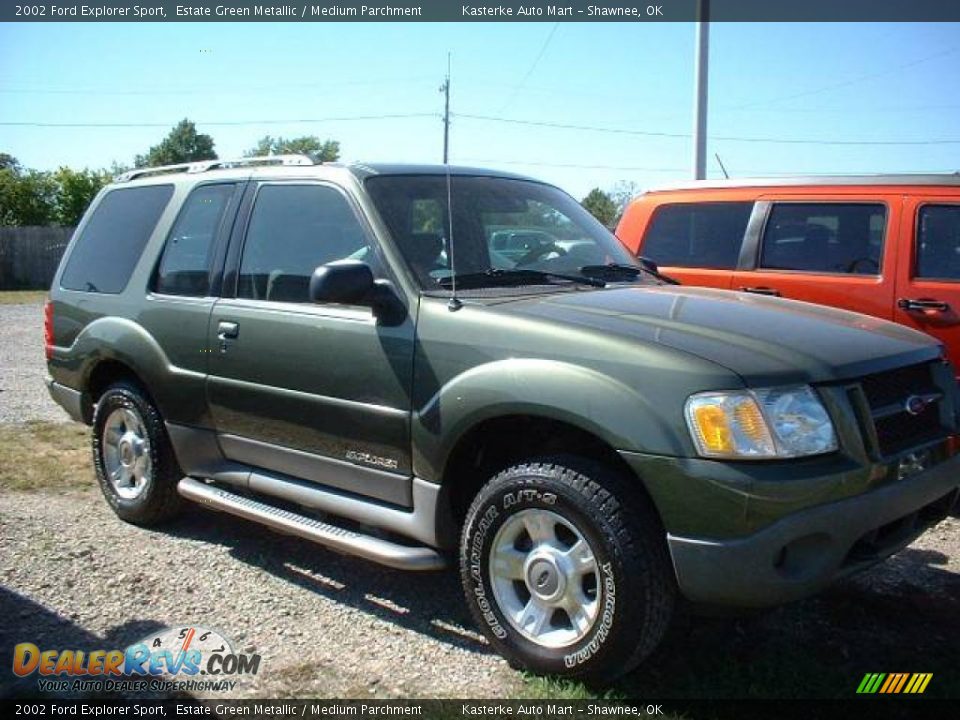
column 503, row 229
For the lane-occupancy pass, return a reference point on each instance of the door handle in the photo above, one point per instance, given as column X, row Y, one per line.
column 762, row 291
column 227, row 330
column 922, row 305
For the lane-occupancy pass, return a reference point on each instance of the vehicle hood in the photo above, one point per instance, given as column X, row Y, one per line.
column 766, row 341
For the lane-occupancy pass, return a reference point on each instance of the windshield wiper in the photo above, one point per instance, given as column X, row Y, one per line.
column 614, row 269
column 498, row 277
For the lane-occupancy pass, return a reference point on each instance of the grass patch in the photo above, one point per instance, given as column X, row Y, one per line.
column 22, row 297
column 45, row 456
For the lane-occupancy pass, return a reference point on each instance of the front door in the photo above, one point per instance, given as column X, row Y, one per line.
column 316, row 391
column 928, row 279
column 836, row 252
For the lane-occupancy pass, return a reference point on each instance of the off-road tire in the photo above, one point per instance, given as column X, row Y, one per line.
column 628, row 543
column 159, row 500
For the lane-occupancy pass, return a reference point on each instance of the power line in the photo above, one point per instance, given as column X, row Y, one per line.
column 214, row 89
column 396, row 116
column 574, row 166
column 745, row 173
column 846, row 83
column 533, row 66
column 725, row 138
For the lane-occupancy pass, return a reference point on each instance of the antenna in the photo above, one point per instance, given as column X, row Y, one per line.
column 454, row 303
column 720, row 162
column 445, row 89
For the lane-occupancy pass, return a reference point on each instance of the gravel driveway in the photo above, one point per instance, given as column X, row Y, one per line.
column 23, row 395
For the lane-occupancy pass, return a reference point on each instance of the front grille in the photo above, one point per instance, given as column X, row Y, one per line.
column 896, row 428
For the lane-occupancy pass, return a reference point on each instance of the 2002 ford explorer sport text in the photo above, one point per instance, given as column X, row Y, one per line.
column 413, row 363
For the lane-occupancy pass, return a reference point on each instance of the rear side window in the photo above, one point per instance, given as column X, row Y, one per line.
column 113, row 240
column 824, row 238
column 703, row 235
column 293, row 230
column 185, row 265
column 938, row 242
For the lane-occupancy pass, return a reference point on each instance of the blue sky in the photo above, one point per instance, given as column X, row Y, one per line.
column 822, row 82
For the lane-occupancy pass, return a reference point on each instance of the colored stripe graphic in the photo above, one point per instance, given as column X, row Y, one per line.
column 894, row 683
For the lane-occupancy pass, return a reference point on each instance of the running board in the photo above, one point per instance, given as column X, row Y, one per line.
column 384, row 552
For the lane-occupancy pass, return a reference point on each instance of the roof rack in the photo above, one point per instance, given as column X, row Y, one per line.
column 205, row 165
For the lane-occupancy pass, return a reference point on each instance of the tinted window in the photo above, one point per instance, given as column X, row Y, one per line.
column 824, row 237
column 705, row 235
column 938, row 242
column 113, row 240
column 185, row 266
column 293, row 230
column 498, row 224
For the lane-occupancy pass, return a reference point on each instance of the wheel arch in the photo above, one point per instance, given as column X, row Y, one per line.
column 495, row 443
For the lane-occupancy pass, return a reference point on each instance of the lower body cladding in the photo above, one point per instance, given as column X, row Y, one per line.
column 262, row 495
column 805, row 551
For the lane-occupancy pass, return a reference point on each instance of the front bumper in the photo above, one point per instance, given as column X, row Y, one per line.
column 805, row 551
column 69, row 399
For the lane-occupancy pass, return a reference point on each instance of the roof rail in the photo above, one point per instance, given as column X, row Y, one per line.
column 205, row 165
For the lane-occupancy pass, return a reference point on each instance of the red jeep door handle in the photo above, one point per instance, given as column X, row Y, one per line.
column 762, row 291
column 923, row 305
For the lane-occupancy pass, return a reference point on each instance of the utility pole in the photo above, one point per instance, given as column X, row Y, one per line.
column 701, row 58
column 445, row 89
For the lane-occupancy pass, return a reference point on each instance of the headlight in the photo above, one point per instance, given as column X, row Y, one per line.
column 755, row 424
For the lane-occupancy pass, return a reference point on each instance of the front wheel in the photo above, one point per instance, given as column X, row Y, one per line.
column 565, row 569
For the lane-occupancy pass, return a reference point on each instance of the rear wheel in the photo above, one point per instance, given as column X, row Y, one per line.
column 134, row 462
column 565, row 569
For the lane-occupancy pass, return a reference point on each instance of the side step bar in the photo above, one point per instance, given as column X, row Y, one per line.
column 403, row 557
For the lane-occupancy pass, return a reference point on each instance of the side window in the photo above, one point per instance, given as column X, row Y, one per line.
column 293, row 230
column 701, row 235
column 185, row 266
column 938, row 242
column 106, row 252
column 824, row 238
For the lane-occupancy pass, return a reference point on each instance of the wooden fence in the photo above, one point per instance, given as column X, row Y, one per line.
column 29, row 256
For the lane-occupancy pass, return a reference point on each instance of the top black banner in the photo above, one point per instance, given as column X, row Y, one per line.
column 504, row 11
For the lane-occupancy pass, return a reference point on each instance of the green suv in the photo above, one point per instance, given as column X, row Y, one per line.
column 346, row 354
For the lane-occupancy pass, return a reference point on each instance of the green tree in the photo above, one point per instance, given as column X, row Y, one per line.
column 621, row 194
column 27, row 197
column 601, row 206
column 310, row 145
column 75, row 190
column 8, row 162
column 183, row 144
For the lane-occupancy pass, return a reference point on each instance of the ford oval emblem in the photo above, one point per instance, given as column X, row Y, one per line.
column 916, row 404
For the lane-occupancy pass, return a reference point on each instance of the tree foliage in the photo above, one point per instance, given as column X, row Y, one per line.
column 75, row 191
column 33, row 197
column 183, row 144
column 310, row 145
column 601, row 206
column 621, row 194
column 8, row 162
column 27, row 197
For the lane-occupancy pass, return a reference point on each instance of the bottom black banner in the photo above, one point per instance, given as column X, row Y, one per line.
column 876, row 708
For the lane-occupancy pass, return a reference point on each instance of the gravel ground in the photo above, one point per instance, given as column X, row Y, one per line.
column 73, row 575
column 326, row 625
column 23, row 395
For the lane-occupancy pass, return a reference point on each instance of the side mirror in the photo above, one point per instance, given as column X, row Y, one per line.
column 348, row 282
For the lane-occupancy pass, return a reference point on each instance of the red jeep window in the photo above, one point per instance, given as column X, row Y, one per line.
column 938, row 242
